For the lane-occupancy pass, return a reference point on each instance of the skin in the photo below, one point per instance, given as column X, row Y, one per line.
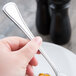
column 17, row 56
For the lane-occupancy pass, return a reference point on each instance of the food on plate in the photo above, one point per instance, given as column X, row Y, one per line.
column 43, row 74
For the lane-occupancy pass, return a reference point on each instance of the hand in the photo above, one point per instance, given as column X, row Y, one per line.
column 17, row 56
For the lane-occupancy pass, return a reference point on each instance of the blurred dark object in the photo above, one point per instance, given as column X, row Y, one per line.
column 43, row 17
column 60, row 29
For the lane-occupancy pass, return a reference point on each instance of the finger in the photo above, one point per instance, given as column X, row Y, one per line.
column 31, row 48
column 29, row 71
column 14, row 43
column 33, row 62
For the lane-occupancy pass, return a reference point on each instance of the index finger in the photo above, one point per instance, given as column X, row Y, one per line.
column 14, row 43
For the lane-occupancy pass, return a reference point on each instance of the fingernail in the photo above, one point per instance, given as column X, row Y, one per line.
column 38, row 40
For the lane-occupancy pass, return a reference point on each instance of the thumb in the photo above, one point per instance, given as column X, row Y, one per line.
column 30, row 49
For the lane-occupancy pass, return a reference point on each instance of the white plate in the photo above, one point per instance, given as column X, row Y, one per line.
column 63, row 58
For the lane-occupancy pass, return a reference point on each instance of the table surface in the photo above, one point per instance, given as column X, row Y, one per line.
column 28, row 11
